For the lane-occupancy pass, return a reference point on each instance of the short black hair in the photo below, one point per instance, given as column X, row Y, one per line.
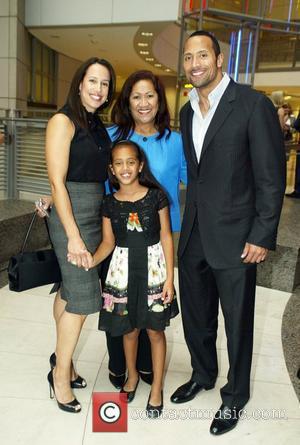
column 216, row 46
column 121, row 115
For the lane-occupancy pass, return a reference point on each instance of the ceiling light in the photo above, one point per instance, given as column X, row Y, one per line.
column 158, row 65
column 142, row 44
column 147, row 34
column 145, row 53
column 168, row 70
column 149, row 59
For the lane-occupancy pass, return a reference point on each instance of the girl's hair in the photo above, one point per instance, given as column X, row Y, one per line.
column 73, row 99
column 146, row 178
column 121, row 114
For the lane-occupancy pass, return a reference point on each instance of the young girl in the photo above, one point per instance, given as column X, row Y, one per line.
column 139, row 290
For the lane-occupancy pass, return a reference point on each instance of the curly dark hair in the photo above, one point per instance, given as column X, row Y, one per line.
column 146, row 178
column 73, row 99
column 121, row 115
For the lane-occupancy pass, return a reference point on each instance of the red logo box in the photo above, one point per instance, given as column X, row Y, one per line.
column 110, row 412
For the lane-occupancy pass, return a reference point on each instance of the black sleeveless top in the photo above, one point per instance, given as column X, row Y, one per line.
column 89, row 150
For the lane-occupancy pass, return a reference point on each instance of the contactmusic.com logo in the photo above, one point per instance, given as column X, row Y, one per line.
column 109, row 412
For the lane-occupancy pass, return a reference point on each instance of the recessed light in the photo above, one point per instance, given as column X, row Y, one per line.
column 142, row 44
column 167, row 70
column 147, row 34
column 145, row 53
column 158, row 65
column 149, row 59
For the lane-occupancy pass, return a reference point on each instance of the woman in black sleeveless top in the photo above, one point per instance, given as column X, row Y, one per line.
column 77, row 154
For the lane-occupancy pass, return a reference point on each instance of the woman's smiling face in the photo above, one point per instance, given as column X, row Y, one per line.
column 143, row 102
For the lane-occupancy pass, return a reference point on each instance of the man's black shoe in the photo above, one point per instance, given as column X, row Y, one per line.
column 225, row 420
column 293, row 195
column 187, row 391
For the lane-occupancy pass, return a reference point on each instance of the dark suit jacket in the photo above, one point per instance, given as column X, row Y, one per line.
column 237, row 188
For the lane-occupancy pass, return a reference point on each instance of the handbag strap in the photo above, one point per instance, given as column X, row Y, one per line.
column 29, row 230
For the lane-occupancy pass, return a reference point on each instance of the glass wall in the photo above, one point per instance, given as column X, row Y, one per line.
column 42, row 77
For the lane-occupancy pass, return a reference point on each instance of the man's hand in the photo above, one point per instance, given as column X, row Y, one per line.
column 253, row 253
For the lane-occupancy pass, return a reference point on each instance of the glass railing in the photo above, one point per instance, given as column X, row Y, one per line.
column 22, row 156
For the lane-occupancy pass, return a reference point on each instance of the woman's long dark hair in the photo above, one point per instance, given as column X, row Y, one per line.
column 121, row 115
column 146, row 178
column 73, row 99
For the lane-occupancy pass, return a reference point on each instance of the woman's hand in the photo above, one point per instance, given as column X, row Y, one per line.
column 77, row 252
column 86, row 265
column 42, row 205
column 168, row 291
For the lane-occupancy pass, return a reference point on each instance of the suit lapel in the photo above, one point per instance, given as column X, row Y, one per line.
column 189, row 133
column 222, row 112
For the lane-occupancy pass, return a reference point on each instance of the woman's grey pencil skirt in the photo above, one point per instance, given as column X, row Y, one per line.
column 80, row 289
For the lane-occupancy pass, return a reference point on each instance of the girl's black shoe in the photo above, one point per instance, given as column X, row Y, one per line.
column 153, row 412
column 78, row 383
column 71, row 407
column 130, row 394
column 117, row 380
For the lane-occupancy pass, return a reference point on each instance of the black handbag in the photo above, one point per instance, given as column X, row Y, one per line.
column 27, row 270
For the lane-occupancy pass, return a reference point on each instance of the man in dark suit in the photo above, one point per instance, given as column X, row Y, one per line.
column 236, row 180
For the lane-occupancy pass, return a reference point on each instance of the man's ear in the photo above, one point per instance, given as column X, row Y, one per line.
column 111, row 169
column 220, row 60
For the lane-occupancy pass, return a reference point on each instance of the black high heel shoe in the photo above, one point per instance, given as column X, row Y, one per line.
column 153, row 412
column 130, row 394
column 78, row 383
column 71, row 407
column 118, row 381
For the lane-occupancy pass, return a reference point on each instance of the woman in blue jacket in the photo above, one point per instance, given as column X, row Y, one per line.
column 141, row 114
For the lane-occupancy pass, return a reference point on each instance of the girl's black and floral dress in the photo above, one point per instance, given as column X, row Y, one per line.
column 137, row 271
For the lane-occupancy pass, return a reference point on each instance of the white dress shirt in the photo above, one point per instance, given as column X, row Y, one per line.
column 200, row 123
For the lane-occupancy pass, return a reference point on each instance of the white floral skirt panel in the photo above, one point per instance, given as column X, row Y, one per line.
column 116, row 284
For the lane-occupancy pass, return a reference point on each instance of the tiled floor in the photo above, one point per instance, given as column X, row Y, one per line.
column 29, row 417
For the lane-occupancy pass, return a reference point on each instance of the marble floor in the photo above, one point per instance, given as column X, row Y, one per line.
column 29, row 417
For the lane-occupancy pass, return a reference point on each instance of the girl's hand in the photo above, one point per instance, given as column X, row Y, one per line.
column 168, row 292
column 77, row 252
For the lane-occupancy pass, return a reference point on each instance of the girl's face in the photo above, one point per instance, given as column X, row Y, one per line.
column 143, row 102
column 94, row 87
column 125, row 165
